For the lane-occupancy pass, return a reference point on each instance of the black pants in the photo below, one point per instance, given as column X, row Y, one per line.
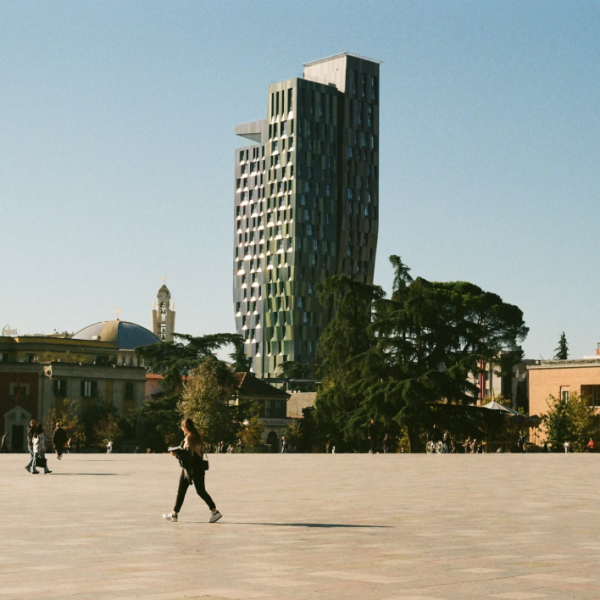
column 198, row 484
column 59, row 450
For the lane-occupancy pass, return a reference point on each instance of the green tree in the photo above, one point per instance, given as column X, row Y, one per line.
column 158, row 420
column 240, row 362
column 108, row 429
column 572, row 420
column 562, row 352
column 210, row 400
column 345, row 340
column 395, row 359
column 251, row 432
column 294, row 370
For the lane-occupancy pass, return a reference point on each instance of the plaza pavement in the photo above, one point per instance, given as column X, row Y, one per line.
column 310, row 527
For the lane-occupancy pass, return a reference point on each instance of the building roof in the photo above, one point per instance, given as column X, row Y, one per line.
column 126, row 335
column 250, row 385
column 164, row 289
column 340, row 55
column 570, row 363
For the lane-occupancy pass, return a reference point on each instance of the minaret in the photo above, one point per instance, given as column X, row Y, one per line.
column 163, row 315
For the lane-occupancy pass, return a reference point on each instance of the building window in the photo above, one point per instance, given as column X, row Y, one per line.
column 565, row 395
column 89, row 389
column 59, row 387
column 596, row 395
column 128, row 391
column 18, row 390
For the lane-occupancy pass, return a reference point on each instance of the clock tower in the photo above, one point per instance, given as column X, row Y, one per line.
column 163, row 314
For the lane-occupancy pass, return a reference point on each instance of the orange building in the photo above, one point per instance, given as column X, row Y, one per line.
column 560, row 378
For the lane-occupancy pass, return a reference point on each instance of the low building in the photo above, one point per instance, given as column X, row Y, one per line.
column 273, row 406
column 561, row 378
column 39, row 373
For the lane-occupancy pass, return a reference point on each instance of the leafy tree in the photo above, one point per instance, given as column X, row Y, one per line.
column 573, row 420
column 209, row 399
column 98, row 419
column 562, row 352
column 174, row 360
column 107, row 429
column 394, row 359
column 69, row 418
column 345, row 340
column 158, row 420
column 251, row 432
column 294, row 370
column 240, row 362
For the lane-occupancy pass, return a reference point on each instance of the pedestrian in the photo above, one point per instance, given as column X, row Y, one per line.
column 240, row 446
column 30, row 433
column 39, row 451
column 446, row 441
column 386, row 443
column 3, row 446
column 284, row 445
column 59, row 439
column 544, row 447
column 474, row 447
column 467, row 445
column 109, row 447
column 567, row 445
column 521, row 441
column 373, row 431
column 590, row 446
column 193, row 467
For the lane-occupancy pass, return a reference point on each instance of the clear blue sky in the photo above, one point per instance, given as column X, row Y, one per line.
column 117, row 135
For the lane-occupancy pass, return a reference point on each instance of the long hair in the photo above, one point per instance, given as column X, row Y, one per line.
column 195, row 437
column 38, row 430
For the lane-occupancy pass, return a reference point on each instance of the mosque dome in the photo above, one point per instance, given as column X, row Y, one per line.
column 127, row 336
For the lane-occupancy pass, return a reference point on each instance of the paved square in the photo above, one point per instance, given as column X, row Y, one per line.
column 383, row 527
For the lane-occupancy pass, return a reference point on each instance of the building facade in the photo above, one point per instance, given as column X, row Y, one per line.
column 39, row 374
column 306, row 205
column 560, row 378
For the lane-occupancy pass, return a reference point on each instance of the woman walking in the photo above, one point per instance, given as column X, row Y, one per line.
column 190, row 457
column 39, row 451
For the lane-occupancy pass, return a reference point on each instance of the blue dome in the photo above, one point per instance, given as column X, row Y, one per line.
column 127, row 336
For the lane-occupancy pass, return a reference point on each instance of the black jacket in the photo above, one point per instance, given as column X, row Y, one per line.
column 59, row 438
column 192, row 465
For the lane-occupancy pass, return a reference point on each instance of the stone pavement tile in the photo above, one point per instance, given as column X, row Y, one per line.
column 519, row 595
column 354, row 576
column 283, row 582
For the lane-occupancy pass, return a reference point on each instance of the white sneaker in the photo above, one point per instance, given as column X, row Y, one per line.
column 170, row 517
column 215, row 517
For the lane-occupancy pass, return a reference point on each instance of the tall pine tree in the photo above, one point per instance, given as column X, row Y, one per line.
column 562, row 352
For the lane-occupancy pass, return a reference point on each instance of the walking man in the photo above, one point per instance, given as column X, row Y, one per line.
column 59, row 439
column 284, row 445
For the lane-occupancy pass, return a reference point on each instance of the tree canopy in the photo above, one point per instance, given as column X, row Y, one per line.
column 393, row 359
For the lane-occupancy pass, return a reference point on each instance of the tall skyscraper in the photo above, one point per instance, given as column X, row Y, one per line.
column 306, row 205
